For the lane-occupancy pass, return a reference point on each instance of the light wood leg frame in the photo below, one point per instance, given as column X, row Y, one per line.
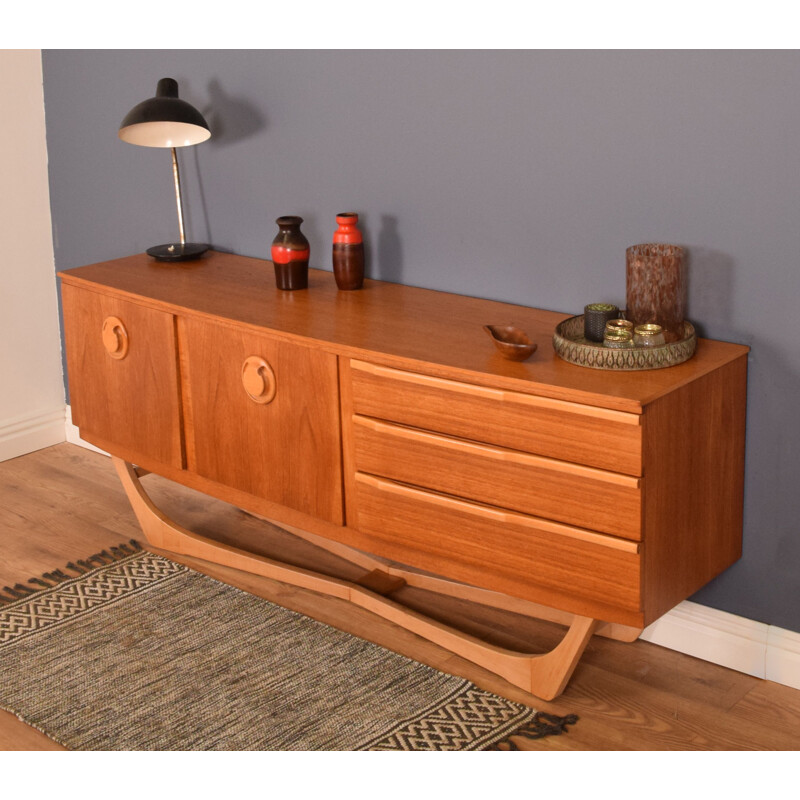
column 542, row 675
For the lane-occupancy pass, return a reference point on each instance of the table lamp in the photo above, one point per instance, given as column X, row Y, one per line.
column 167, row 121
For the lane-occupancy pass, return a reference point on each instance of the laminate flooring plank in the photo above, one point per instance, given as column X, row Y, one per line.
column 774, row 706
column 17, row 736
column 684, row 676
column 660, row 719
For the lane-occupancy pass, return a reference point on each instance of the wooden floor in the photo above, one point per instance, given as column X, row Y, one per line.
column 65, row 503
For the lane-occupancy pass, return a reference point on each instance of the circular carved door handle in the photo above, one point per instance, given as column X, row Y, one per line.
column 115, row 337
column 258, row 380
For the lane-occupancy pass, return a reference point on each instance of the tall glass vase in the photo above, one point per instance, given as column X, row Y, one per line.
column 656, row 287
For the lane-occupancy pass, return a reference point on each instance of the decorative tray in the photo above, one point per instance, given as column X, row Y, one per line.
column 570, row 344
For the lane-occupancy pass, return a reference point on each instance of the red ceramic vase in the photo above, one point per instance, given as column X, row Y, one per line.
column 290, row 253
column 348, row 252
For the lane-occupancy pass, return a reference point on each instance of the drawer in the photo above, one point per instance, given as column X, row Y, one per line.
column 499, row 550
column 559, row 490
column 582, row 434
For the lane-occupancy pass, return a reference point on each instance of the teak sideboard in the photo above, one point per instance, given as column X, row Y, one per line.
column 384, row 425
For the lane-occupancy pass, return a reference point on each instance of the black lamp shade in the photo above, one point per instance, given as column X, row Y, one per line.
column 164, row 120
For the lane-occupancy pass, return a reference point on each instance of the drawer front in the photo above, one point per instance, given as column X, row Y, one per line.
column 572, row 432
column 503, row 551
column 122, row 364
column 262, row 416
column 577, row 495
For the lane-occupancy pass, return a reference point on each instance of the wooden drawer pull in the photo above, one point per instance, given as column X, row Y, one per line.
column 495, row 515
column 258, row 380
column 115, row 337
column 495, row 395
column 495, row 453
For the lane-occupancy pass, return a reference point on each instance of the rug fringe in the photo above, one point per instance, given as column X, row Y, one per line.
column 48, row 580
column 17, row 591
column 541, row 725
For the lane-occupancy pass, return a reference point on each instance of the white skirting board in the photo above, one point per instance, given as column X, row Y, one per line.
column 731, row 641
column 74, row 436
column 716, row 636
column 30, row 432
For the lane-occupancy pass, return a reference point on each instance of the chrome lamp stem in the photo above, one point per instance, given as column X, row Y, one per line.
column 177, row 178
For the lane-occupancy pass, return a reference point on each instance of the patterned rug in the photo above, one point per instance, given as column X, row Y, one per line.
column 133, row 651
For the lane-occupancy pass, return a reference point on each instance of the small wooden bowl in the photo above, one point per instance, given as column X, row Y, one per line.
column 512, row 342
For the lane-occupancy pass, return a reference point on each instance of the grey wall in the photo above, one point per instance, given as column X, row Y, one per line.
column 519, row 176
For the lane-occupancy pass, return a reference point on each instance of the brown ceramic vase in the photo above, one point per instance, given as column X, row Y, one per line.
column 348, row 252
column 290, row 252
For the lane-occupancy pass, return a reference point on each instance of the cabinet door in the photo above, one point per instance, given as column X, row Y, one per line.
column 123, row 375
column 262, row 415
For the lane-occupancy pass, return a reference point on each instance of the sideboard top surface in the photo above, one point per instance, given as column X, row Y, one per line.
column 398, row 325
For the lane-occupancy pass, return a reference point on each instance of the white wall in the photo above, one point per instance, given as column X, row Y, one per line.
column 31, row 384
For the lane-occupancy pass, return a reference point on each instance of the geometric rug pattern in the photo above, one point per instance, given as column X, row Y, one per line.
column 137, row 652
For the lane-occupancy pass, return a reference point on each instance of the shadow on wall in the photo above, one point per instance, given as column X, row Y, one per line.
column 710, row 285
column 772, row 471
column 195, row 231
column 389, row 252
column 231, row 119
column 772, row 503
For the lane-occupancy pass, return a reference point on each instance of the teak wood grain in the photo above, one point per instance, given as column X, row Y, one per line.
column 505, row 551
column 286, row 450
column 590, row 498
column 693, row 491
column 132, row 400
column 382, row 420
column 407, row 326
column 558, row 429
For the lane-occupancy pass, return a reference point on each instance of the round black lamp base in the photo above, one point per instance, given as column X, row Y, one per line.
column 178, row 252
